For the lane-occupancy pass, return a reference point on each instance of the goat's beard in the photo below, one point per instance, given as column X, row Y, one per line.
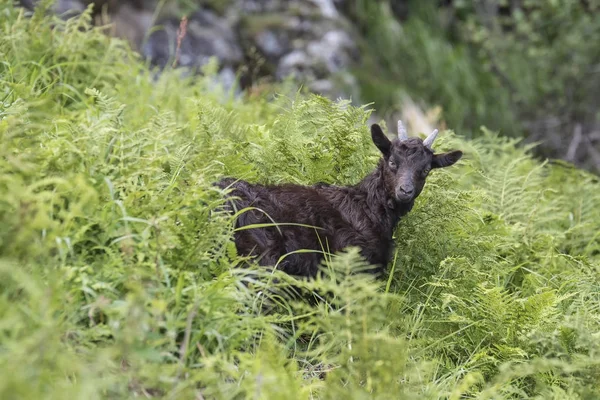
column 393, row 202
column 404, row 200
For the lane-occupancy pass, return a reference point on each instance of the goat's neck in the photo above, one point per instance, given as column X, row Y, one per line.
column 380, row 202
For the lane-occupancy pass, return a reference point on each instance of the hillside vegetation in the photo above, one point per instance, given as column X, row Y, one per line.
column 527, row 68
column 118, row 276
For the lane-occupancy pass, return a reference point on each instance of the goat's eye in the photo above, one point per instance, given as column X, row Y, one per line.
column 425, row 172
column 392, row 164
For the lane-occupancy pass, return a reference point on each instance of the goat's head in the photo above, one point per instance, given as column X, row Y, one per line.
column 407, row 162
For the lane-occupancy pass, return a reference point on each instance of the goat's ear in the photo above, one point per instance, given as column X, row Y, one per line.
column 446, row 159
column 381, row 141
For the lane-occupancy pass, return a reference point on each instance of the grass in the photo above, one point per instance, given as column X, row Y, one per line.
column 119, row 278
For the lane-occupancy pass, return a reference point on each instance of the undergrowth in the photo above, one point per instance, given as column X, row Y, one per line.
column 119, row 278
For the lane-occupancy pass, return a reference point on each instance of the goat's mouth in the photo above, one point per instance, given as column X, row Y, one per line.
column 403, row 198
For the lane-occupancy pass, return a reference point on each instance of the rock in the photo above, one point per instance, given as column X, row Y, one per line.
column 309, row 40
column 334, row 50
column 129, row 23
column 272, row 44
column 327, row 8
column 69, row 7
column 295, row 64
column 207, row 35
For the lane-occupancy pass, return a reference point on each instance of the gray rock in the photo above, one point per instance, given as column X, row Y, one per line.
column 295, row 64
column 327, row 8
column 334, row 50
column 69, row 7
column 207, row 35
column 272, row 44
column 309, row 40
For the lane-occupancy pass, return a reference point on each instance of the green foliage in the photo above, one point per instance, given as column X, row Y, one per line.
column 118, row 278
column 527, row 45
column 416, row 58
column 523, row 67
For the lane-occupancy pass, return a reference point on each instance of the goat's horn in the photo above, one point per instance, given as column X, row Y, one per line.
column 428, row 142
column 402, row 135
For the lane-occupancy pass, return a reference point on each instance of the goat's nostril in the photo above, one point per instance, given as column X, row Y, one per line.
column 406, row 190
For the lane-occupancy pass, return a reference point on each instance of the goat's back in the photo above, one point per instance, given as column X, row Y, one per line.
column 306, row 223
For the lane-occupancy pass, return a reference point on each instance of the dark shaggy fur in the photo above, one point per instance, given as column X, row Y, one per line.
column 363, row 215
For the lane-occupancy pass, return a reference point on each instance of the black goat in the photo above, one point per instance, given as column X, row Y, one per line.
column 327, row 218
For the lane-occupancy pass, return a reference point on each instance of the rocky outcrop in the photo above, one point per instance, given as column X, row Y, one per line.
column 308, row 40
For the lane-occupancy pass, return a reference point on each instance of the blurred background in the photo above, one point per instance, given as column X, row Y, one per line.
column 524, row 68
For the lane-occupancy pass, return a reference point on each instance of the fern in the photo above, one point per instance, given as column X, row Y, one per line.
column 119, row 279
